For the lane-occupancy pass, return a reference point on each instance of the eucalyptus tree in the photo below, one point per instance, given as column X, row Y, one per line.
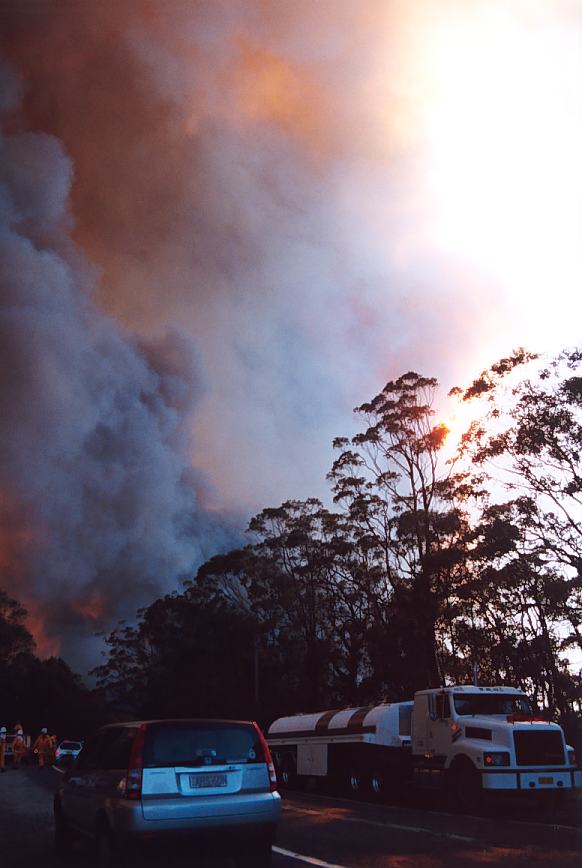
column 319, row 570
column 529, row 441
column 391, row 480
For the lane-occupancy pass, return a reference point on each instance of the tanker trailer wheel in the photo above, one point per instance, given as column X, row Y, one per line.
column 354, row 782
column 465, row 785
column 288, row 775
column 378, row 784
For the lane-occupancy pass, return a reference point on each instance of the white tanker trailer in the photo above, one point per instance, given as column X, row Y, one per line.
column 468, row 738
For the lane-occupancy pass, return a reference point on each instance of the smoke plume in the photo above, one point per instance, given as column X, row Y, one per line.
column 99, row 505
column 320, row 195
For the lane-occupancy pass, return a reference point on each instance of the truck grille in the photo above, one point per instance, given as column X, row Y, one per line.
column 542, row 748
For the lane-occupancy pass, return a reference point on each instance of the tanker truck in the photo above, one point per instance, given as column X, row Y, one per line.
column 463, row 739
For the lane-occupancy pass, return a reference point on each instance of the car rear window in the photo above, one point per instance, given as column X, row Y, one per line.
column 70, row 745
column 201, row 744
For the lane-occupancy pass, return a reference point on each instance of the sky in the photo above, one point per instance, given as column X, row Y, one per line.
column 226, row 224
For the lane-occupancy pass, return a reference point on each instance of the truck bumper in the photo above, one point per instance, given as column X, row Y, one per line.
column 498, row 781
column 539, row 780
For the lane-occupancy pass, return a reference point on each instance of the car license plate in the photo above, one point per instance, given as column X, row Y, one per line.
column 218, row 779
column 548, row 780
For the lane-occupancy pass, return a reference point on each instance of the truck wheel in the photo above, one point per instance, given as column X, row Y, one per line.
column 354, row 782
column 465, row 786
column 377, row 784
column 288, row 774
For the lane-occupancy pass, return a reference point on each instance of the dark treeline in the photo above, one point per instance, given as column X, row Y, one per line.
column 37, row 693
column 428, row 565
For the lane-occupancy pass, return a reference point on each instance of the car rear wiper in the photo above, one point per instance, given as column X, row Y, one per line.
column 196, row 763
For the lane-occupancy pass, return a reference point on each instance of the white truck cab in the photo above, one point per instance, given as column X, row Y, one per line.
column 490, row 738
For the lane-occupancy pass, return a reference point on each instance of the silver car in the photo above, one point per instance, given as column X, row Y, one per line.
column 166, row 779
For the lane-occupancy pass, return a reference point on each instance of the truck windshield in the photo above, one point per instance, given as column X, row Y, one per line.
column 492, row 703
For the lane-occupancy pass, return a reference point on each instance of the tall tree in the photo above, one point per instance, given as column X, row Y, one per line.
column 530, row 442
column 295, row 542
column 389, row 480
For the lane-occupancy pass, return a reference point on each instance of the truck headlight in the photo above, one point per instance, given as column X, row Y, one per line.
column 495, row 758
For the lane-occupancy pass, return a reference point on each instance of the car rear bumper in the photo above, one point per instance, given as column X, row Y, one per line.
column 128, row 818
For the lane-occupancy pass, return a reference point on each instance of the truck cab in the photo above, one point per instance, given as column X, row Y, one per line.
column 489, row 738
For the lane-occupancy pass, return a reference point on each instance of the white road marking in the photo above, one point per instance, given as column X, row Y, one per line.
column 57, row 769
column 380, row 825
column 310, row 860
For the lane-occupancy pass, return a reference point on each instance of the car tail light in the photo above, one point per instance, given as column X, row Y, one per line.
column 134, row 776
column 268, row 758
column 58, row 752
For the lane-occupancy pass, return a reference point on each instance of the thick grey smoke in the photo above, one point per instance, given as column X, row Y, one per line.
column 248, row 169
column 100, row 508
column 272, row 177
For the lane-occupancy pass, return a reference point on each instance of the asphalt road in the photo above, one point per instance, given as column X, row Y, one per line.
column 321, row 831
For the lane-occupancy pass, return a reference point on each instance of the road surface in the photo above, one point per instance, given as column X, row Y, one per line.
column 318, row 831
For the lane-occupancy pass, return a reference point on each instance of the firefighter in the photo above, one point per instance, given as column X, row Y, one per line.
column 18, row 749
column 2, row 748
column 42, row 748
